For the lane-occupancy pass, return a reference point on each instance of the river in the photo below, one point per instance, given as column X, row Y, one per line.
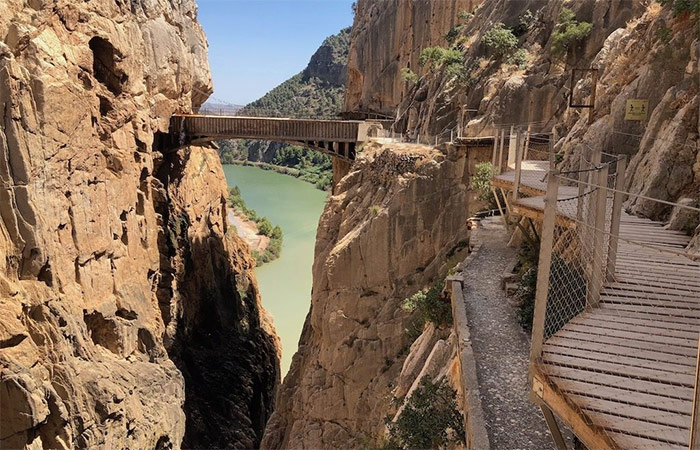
column 285, row 284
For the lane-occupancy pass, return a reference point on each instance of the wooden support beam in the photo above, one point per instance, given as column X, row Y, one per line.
column 543, row 268
column 618, row 200
column 695, row 417
column 500, row 209
column 500, row 152
column 598, row 265
column 592, row 436
column 527, row 142
column 553, row 427
column 518, row 165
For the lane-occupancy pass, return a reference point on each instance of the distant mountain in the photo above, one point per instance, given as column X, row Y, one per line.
column 317, row 91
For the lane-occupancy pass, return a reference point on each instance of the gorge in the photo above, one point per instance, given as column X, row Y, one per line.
column 130, row 317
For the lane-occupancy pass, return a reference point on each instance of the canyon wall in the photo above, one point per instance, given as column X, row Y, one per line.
column 388, row 231
column 118, row 281
column 641, row 49
column 387, row 36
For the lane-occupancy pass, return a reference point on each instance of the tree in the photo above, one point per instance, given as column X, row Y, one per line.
column 569, row 31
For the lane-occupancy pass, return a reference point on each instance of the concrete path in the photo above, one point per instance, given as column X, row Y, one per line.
column 501, row 348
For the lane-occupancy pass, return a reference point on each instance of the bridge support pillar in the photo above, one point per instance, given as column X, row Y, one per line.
column 341, row 168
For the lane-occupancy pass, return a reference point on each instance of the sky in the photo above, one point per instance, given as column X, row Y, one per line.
column 254, row 45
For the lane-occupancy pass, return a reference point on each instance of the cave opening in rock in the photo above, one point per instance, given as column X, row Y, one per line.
column 104, row 65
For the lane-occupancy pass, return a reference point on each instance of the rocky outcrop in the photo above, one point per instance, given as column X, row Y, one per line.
column 388, row 231
column 117, row 281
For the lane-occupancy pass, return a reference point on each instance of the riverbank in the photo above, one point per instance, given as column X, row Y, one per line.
column 285, row 284
column 264, row 239
column 318, row 176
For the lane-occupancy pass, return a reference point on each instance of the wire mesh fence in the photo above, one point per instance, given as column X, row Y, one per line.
column 620, row 312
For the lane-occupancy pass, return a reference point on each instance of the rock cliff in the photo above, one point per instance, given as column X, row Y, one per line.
column 641, row 49
column 386, row 233
column 117, row 278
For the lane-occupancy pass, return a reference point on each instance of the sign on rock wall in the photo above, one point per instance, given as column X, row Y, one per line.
column 637, row 109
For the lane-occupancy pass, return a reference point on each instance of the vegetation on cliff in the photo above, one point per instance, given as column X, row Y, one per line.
column 430, row 419
column 265, row 227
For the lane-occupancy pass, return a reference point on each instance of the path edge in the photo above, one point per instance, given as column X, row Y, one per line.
column 477, row 436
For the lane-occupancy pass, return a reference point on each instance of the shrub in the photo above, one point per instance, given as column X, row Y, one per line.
column 431, row 305
column 481, row 182
column 464, row 15
column 438, row 56
column 451, row 35
column 430, row 419
column 569, row 31
column 519, row 58
column 500, row 40
column 526, row 297
column 409, row 75
column 264, row 226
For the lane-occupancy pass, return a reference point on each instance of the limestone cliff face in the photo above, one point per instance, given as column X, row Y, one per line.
column 384, row 235
column 387, row 36
column 117, row 280
column 640, row 49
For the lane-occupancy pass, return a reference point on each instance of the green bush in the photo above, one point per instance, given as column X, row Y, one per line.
column 569, row 31
column 435, row 57
column 519, row 59
column 409, row 75
column 500, row 40
column 526, row 297
column 431, row 305
column 481, row 182
column 430, row 419
column 264, row 226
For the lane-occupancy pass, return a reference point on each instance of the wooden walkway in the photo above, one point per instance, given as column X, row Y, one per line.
column 621, row 374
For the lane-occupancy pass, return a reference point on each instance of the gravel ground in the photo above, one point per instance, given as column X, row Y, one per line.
column 501, row 348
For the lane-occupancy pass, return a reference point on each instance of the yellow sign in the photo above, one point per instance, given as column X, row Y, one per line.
column 637, row 109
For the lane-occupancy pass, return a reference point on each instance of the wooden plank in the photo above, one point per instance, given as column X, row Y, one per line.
column 553, row 427
column 695, row 420
column 640, row 443
column 689, row 309
column 655, row 306
column 663, row 433
column 654, row 320
column 635, row 412
column 654, row 292
column 631, row 384
column 627, row 324
column 627, row 343
column 652, row 299
column 628, row 360
column 646, row 280
column 622, row 395
column 638, row 338
column 618, row 350
column 673, row 314
column 626, row 371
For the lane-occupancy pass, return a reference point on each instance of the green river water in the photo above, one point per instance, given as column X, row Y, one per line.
column 285, row 284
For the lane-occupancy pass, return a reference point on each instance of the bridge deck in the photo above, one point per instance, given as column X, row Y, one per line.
column 624, row 371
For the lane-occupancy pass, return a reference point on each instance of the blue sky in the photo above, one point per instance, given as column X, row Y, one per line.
column 254, row 45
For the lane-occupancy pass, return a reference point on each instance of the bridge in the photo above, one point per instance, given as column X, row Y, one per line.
column 338, row 138
column 614, row 350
